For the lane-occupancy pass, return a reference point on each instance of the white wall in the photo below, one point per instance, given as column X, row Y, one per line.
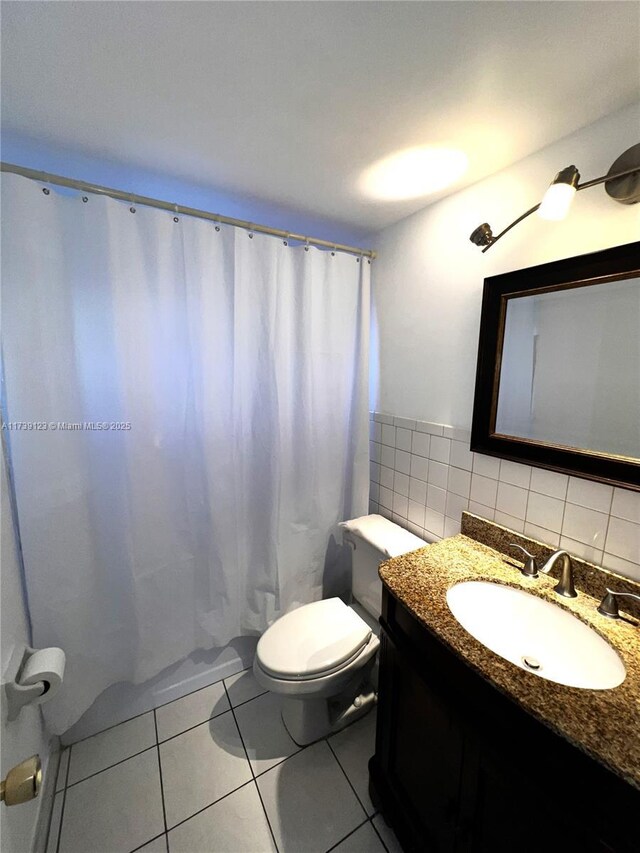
column 428, row 277
column 26, row 735
column 45, row 156
column 428, row 283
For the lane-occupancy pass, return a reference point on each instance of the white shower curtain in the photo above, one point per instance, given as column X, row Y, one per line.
column 240, row 365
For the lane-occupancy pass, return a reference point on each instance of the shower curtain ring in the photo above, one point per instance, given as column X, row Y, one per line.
column 306, row 244
column 175, row 218
column 132, row 200
column 217, row 220
column 286, row 238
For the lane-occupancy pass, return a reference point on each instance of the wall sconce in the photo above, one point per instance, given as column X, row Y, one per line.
column 622, row 183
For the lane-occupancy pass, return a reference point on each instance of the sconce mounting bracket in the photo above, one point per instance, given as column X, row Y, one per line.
column 626, row 190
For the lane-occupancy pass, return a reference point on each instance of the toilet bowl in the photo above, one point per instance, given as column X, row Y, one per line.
column 321, row 657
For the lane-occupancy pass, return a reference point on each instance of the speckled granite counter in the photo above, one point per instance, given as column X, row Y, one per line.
column 605, row 724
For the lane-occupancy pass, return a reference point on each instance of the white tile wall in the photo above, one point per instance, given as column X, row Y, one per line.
column 423, row 476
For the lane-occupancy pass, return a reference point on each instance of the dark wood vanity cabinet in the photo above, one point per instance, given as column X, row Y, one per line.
column 461, row 767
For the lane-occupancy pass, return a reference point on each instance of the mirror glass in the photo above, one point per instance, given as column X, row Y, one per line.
column 570, row 368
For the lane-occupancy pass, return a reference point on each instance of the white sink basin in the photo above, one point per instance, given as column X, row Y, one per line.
column 536, row 635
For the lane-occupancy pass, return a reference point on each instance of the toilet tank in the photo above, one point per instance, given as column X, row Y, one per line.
column 373, row 540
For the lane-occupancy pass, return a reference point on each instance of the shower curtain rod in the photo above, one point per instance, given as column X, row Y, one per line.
column 59, row 180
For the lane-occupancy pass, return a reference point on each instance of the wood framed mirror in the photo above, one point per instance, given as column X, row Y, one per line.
column 558, row 376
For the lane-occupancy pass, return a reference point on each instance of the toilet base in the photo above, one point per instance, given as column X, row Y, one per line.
column 309, row 720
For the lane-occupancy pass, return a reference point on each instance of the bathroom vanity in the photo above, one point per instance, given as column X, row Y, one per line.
column 474, row 753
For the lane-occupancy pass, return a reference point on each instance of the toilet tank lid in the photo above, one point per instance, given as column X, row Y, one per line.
column 388, row 538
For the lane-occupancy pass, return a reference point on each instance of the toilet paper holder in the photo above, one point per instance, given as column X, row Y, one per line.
column 18, row 695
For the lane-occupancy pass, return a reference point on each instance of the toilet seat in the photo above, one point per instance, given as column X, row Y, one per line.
column 313, row 641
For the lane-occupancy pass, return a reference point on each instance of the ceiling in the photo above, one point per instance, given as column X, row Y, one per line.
column 290, row 102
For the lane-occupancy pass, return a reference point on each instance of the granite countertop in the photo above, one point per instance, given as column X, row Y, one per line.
column 604, row 724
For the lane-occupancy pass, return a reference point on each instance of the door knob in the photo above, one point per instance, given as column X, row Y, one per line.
column 23, row 782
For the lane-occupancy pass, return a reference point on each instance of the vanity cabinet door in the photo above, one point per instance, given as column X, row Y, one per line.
column 421, row 754
column 503, row 810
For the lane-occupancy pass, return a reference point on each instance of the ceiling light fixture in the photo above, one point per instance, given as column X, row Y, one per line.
column 622, row 183
column 413, row 173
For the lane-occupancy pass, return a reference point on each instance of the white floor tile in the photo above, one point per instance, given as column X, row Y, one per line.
column 158, row 845
column 202, row 765
column 113, row 745
column 265, row 738
column 190, row 710
column 353, row 747
column 309, row 802
column 387, row 834
column 236, row 824
column 61, row 780
column 114, row 811
column 54, row 826
column 363, row 840
column 242, row 687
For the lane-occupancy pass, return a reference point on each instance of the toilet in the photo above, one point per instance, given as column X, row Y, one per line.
column 321, row 657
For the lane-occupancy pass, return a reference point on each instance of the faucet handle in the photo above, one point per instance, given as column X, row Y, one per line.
column 609, row 604
column 530, row 569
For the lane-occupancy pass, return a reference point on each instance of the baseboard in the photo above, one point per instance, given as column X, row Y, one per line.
column 124, row 700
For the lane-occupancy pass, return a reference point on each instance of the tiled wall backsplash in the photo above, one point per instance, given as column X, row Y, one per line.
column 423, row 476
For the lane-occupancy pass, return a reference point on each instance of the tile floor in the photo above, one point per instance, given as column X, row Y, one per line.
column 216, row 772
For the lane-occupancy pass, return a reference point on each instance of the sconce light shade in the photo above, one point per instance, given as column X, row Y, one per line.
column 558, row 197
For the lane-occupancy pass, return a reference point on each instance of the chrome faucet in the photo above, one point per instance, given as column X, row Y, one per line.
column 609, row 604
column 529, row 569
column 565, row 585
